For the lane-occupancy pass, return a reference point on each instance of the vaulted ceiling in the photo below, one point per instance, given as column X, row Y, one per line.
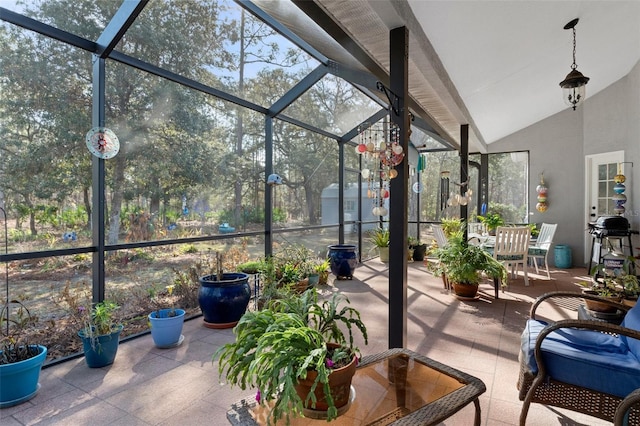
column 495, row 65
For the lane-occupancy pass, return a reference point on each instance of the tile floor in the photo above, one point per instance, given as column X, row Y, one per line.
column 180, row 386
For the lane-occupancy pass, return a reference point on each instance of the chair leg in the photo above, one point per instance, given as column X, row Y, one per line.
column 526, row 275
column 535, row 263
column 546, row 265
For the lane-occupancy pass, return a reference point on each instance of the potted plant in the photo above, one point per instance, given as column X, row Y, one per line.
column 462, row 264
column 492, row 221
column 614, row 284
column 380, row 238
column 100, row 334
column 419, row 249
column 296, row 341
column 166, row 324
column 223, row 297
column 20, row 360
column 322, row 269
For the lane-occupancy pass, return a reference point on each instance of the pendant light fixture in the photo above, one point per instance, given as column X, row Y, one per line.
column 573, row 86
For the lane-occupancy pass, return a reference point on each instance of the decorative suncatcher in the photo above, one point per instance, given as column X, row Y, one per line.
column 379, row 144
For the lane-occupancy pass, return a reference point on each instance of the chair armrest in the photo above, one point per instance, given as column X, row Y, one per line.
column 632, row 399
column 569, row 295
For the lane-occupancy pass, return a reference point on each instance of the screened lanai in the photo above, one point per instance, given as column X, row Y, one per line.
column 207, row 100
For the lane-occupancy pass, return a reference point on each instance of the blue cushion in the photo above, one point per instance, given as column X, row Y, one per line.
column 632, row 320
column 584, row 358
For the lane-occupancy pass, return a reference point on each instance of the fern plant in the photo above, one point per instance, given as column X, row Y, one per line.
column 276, row 347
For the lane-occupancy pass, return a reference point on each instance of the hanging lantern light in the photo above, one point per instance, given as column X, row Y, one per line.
column 573, row 86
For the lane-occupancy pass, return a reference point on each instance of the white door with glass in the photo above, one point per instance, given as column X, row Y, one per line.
column 600, row 170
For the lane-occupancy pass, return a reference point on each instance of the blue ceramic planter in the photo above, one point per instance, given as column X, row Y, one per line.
column 19, row 380
column 103, row 352
column 224, row 302
column 166, row 330
column 343, row 259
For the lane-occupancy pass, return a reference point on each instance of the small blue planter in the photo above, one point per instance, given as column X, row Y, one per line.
column 166, row 330
column 19, row 380
column 224, row 302
column 103, row 351
column 343, row 260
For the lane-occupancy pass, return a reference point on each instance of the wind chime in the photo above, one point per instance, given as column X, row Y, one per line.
column 381, row 150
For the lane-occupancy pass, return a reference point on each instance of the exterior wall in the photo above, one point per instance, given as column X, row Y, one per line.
column 557, row 145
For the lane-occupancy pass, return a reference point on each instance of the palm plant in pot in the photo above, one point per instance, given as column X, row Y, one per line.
column 380, row 238
column 293, row 352
column 100, row 334
column 20, row 360
column 463, row 264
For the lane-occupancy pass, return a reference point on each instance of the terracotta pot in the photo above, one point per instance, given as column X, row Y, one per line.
column 339, row 384
column 594, row 305
column 465, row 290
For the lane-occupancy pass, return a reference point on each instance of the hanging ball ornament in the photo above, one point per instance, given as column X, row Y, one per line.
column 397, row 149
column 393, row 173
column 383, row 211
column 365, row 173
column 619, row 188
column 541, row 189
column 619, row 178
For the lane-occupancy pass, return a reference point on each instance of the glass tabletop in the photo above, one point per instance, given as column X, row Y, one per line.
column 392, row 387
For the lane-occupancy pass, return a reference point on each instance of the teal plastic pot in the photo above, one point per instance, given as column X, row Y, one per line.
column 103, row 351
column 166, row 330
column 19, row 380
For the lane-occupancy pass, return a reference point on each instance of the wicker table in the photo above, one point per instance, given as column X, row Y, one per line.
column 398, row 387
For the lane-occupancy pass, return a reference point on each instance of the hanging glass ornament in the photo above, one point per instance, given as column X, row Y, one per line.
column 542, row 190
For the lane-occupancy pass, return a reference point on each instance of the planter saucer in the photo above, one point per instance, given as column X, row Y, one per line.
column 173, row 345
column 468, row 299
column 322, row 414
column 17, row 401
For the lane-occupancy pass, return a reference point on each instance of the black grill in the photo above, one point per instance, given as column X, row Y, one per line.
column 610, row 226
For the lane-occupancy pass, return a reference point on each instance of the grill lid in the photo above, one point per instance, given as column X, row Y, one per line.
column 619, row 223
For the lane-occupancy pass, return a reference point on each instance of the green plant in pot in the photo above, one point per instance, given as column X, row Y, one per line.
column 379, row 237
column 492, row 221
column 463, row 264
column 612, row 283
column 100, row 334
column 322, row 269
column 419, row 249
column 296, row 341
column 20, row 359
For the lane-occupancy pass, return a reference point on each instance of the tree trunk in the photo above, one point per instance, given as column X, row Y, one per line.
column 116, row 201
column 87, row 204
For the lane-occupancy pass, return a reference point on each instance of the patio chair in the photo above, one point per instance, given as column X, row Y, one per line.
column 439, row 235
column 587, row 366
column 512, row 247
column 441, row 240
column 540, row 250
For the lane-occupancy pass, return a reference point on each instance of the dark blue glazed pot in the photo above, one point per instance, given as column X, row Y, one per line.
column 223, row 302
column 343, row 259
